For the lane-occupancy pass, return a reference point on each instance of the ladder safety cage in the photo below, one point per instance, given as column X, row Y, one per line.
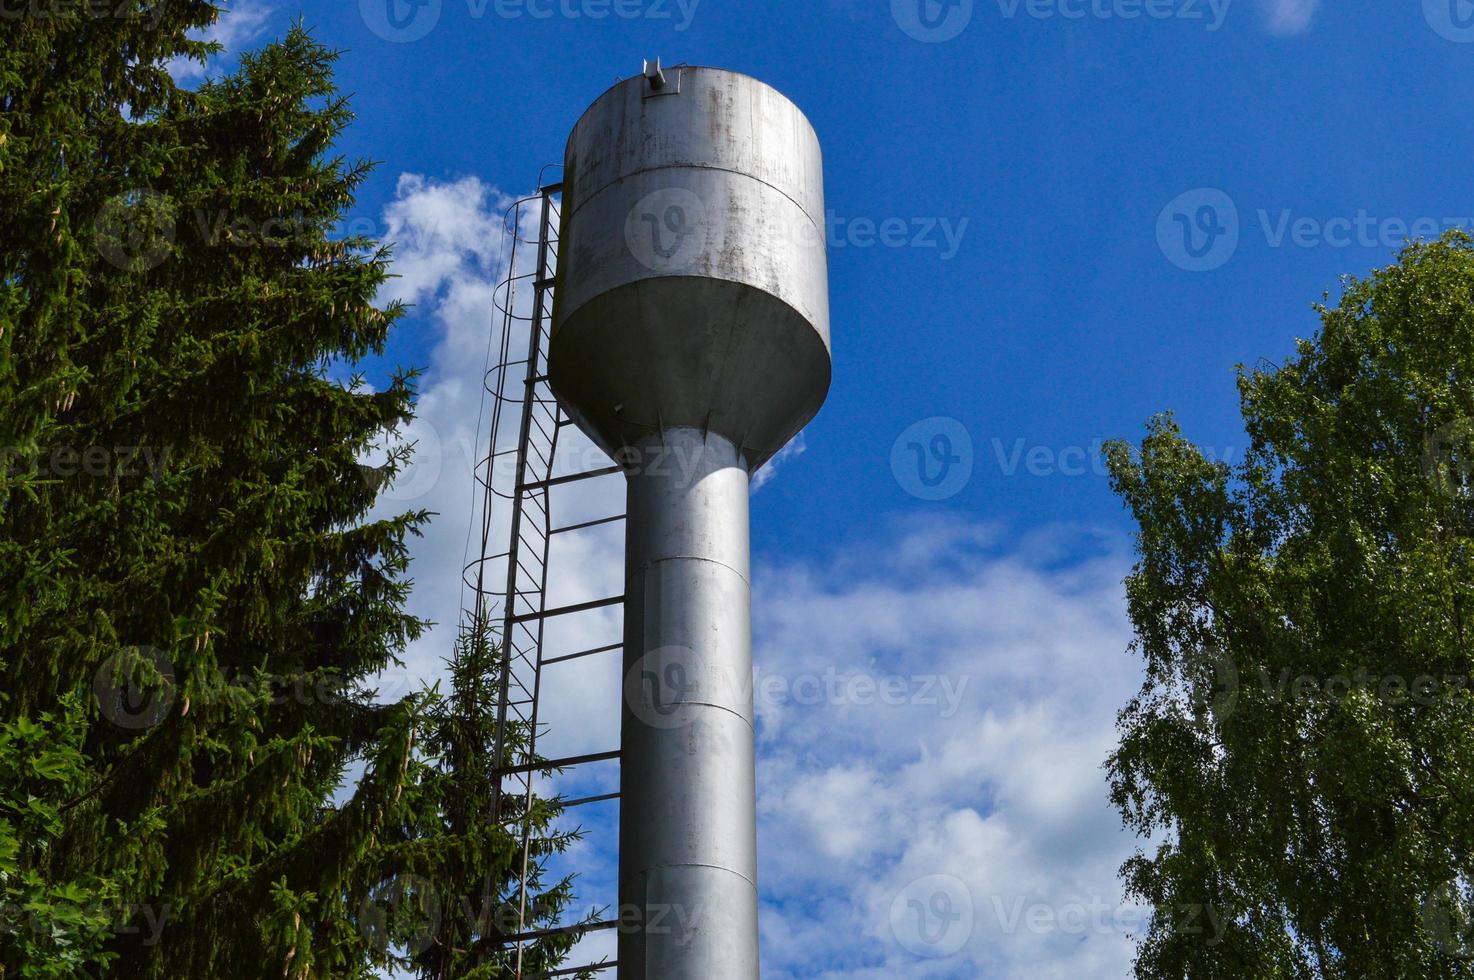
column 508, row 579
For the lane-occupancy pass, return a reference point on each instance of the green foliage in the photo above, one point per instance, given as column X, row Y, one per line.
column 57, row 928
column 195, row 780
column 458, row 935
column 1302, row 751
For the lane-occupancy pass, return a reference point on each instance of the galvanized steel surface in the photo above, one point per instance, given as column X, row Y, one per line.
column 692, row 283
column 688, row 817
column 690, row 340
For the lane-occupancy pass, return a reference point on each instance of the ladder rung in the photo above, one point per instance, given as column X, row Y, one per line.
column 581, row 654
column 581, row 801
column 571, row 971
column 558, row 481
column 578, row 930
column 566, row 610
column 586, row 524
column 576, row 760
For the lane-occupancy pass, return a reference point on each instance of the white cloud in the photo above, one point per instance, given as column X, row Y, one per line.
column 984, row 768
column 987, row 770
column 795, row 447
column 447, row 236
column 1289, row 17
column 239, row 23
column 449, row 255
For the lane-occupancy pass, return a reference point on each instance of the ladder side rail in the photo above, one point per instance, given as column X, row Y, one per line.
column 540, row 288
column 500, row 760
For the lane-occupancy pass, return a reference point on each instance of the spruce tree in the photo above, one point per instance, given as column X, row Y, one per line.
column 196, row 777
column 463, row 842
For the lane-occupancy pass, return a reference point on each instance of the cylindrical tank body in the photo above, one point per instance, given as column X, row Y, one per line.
column 692, row 280
column 691, row 341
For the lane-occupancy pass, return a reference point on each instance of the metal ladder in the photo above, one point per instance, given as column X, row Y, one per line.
column 522, row 565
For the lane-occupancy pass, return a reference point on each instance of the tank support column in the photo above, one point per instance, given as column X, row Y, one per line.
column 688, row 836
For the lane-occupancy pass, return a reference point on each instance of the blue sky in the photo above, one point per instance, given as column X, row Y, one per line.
column 1057, row 141
column 1094, row 217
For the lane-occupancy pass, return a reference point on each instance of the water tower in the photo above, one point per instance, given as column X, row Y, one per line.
column 690, row 341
